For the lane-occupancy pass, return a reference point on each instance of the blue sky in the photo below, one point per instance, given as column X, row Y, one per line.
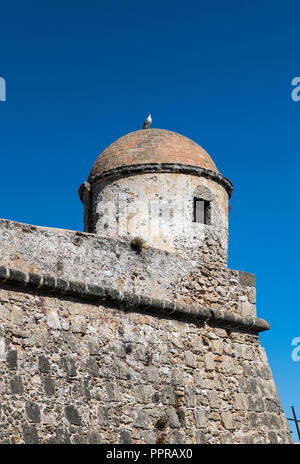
column 81, row 74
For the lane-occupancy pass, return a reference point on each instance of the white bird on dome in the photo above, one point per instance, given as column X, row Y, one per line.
column 147, row 122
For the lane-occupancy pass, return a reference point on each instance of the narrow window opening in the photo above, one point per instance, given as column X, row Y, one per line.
column 202, row 211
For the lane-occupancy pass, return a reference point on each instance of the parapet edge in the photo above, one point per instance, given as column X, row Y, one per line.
column 55, row 285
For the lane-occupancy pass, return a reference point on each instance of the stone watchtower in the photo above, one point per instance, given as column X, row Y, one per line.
column 164, row 191
column 135, row 330
column 164, row 188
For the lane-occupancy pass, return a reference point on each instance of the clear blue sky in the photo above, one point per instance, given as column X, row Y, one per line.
column 80, row 74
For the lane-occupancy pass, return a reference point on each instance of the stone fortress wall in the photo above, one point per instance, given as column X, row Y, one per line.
column 102, row 342
column 135, row 331
column 111, row 262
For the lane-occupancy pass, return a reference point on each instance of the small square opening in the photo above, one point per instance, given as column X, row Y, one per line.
column 202, row 211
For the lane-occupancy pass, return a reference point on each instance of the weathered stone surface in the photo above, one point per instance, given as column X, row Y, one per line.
column 190, row 360
column 177, row 277
column 198, row 379
column 44, row 365
column 62, row 436
column 173, row 418
column 238, row 401
column 12, row 359
column 246, row 279
column 252, row 295
column 149, row 438
column 200, row 418
column 16, row 385
column 197, row 399
column 213, row 399
column 33, row 412
column 103, row 415
column 248, row 309
column 167, row 395
column 94, row 438
column 49, row 386
column 209, row 362
column 135, row 331
column 79, row 324
column 169, row 189
column 53, row 320
column 72, row 415
column 190, row 398
column 200, row 437
column 30, row 435
column 77, row 370
column 70, row 366
column 92, row 367
column 152, row 373
column 125, row 437
column 113, row 392
column 2, row 349
column 227, row 420
column 17, row 316
column 141, row 419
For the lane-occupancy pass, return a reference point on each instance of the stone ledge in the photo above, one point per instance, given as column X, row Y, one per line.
column 134, row 169
column 53, row 284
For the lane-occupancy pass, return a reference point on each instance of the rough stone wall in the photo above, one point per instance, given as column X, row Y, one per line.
column 112, row 262
column 222, row 289
column 145, row 364
column 77, row 372
column 158, row 207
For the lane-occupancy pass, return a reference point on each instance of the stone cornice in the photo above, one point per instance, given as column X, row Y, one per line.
column 135, row 169
column 127, row 300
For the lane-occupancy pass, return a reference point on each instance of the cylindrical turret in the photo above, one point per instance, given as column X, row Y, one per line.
column 163, row 188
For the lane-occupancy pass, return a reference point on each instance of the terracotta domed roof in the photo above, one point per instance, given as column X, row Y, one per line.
column 152, row 146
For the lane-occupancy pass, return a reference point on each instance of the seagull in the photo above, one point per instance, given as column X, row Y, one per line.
column 147, row 122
